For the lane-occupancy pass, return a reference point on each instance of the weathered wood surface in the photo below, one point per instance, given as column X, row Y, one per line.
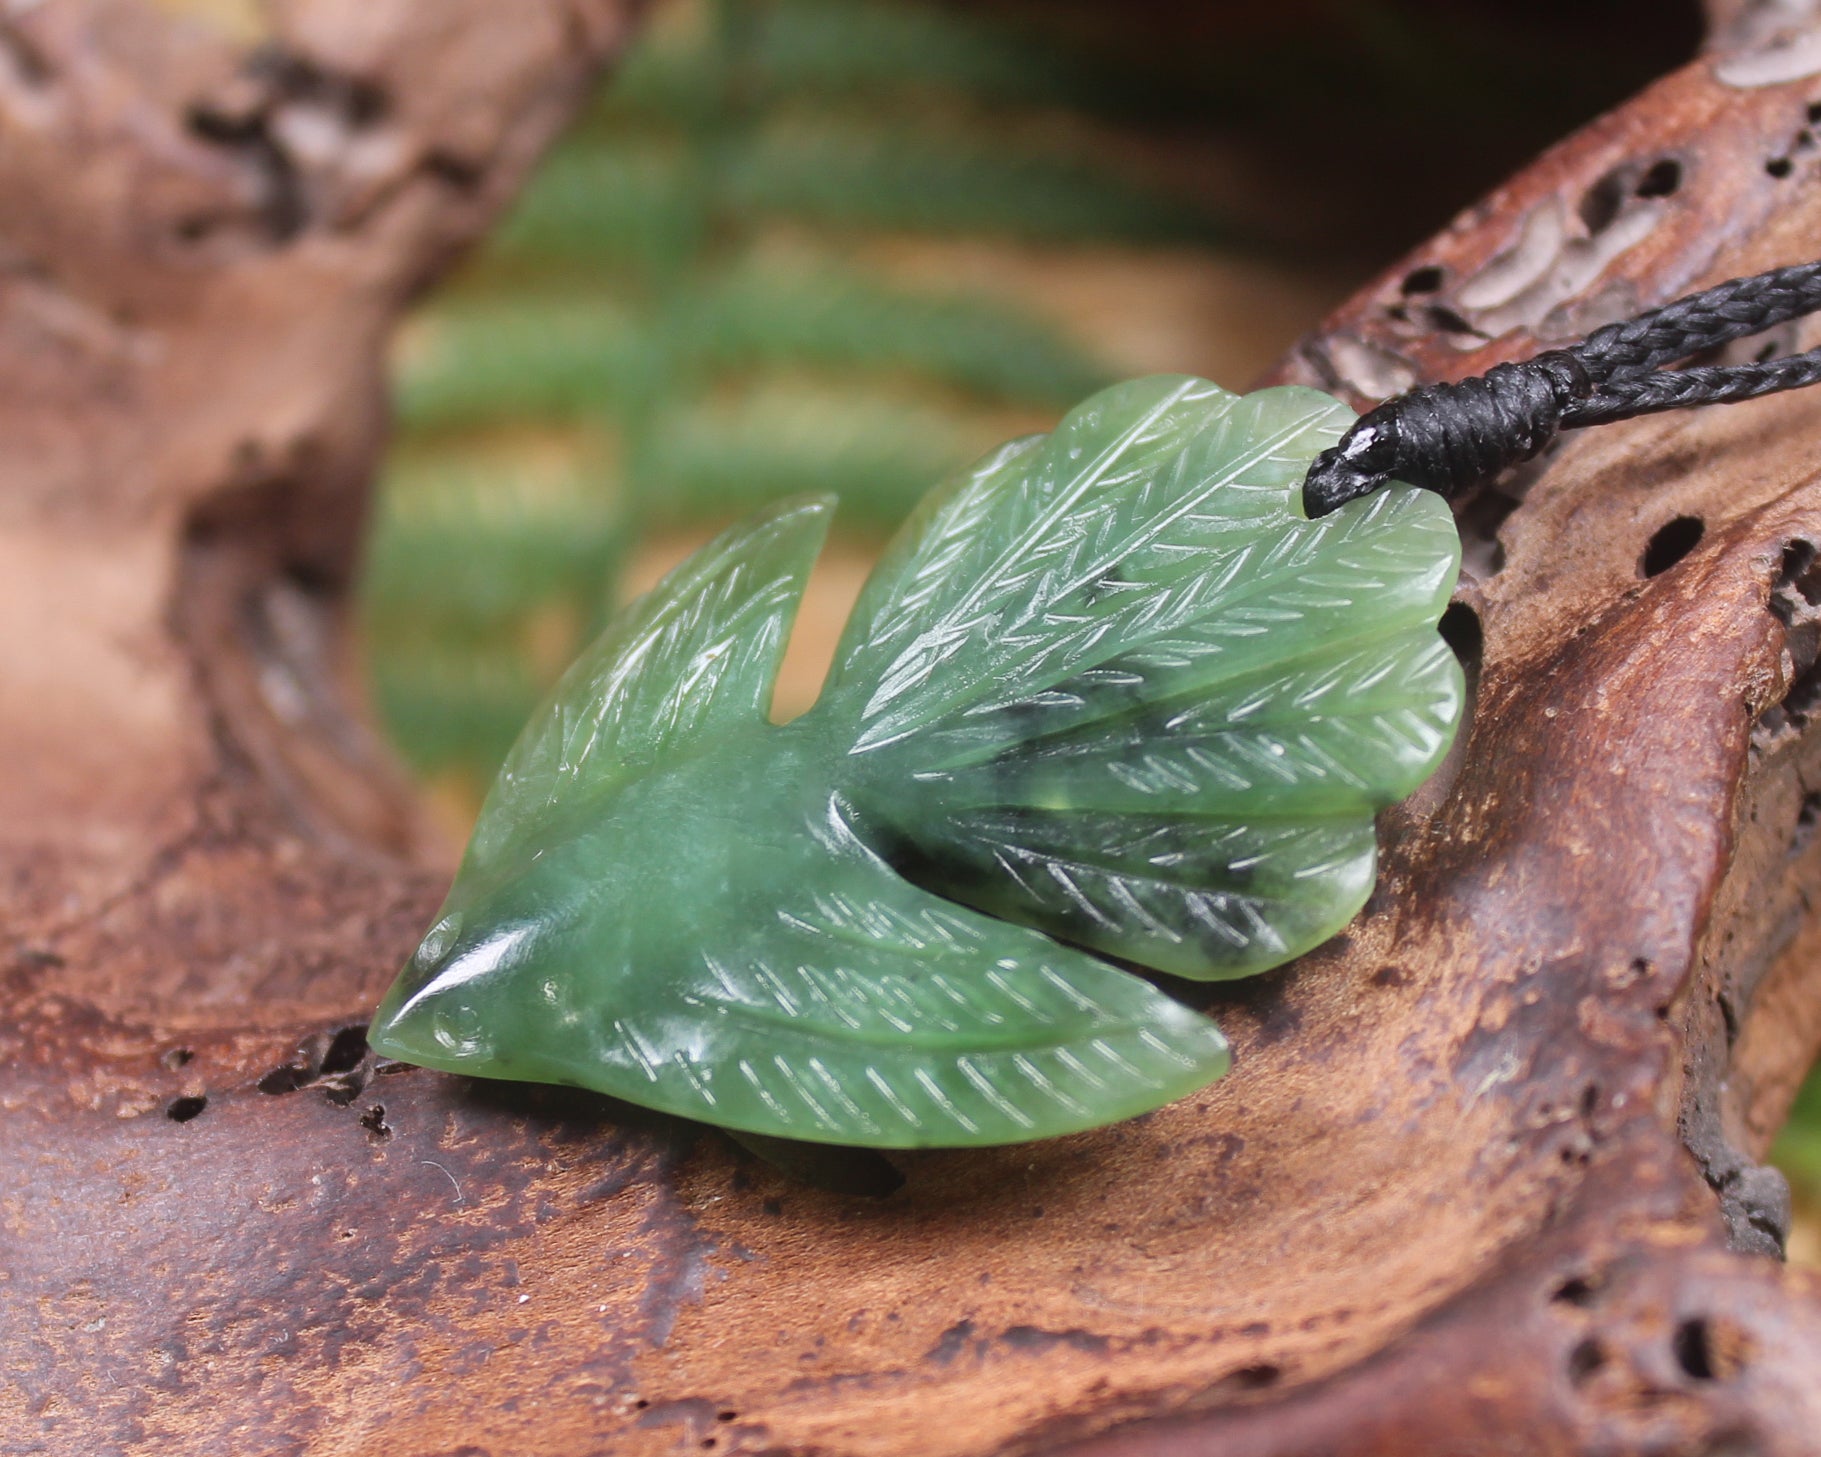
column 1483, row 1180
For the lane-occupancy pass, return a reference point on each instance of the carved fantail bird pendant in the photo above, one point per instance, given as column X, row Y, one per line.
column 1109, row 692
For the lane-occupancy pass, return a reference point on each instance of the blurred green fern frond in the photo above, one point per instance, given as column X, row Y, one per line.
column 465, row 547
column 638, row 204
column 673, row 327
column 833, row 49
column 828, row 317
column 887, row 176
column 724, row 456
column 555, row 358
column 486, row 362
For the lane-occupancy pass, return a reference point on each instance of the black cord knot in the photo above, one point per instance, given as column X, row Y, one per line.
column 1441, row 434
column 1452, row 436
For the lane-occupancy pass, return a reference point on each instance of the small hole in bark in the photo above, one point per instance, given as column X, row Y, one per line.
column 1460, row 629
column 1807, row 818
column 1601, row 203
column 1814, row 113
column 194, row 229
column 1450, row 322
column 1694, row 1351
column 1586, row 1358
column 1426, row 279
column 726, row 1416
column 1779, row 167
column 177, row 1057
column 28, row 61
column 1577, row 1290
column 1252, row 1378
column 457, row 172
column 1711, row 1348
column 312, row 579
column 339, row 1063
column 1798, row 572
column 363, row 103
column 1804, row 694
column 640, row 1404
column 1390, row 976
column 345, row 1050
column 1661, row 180
column 182, row 1110
column 215, row 126
column 285, row 1079
column 1480, row 519
column 1674, row 540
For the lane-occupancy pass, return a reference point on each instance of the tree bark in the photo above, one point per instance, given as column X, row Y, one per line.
column 1483, row 1179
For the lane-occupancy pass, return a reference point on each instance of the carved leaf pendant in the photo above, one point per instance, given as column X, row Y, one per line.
column 1108, row 692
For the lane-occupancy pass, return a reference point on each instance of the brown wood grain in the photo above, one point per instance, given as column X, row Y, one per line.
column 1484, row 1178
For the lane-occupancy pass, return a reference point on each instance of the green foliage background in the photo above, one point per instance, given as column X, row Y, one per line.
column 673, row 327
column 693, row 308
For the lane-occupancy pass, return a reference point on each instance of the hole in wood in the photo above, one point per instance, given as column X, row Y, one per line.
column 345, row 1051
column 1460, row 629
column 1674, row 540
column 1600, row 204
column 1804, row 694
column 1585, row 1359
column 1710, row 1348
column 1807, row 817
column 1661, row 180
column 1779, row 167
column 340, row 1064
column 182, row 1110
column 287, row 1079
column 1427, row 279
column 1798, row 582
column 1693, row 1353
column 1450, row 322
column 1577, row 1290
column 1252, row 1378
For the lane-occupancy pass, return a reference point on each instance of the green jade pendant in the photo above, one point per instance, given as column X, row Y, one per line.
column 1109, row 693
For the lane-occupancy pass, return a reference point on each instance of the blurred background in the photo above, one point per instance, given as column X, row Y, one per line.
column 848, row 245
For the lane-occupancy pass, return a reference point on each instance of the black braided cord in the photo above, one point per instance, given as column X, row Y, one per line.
column 1452, row 436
